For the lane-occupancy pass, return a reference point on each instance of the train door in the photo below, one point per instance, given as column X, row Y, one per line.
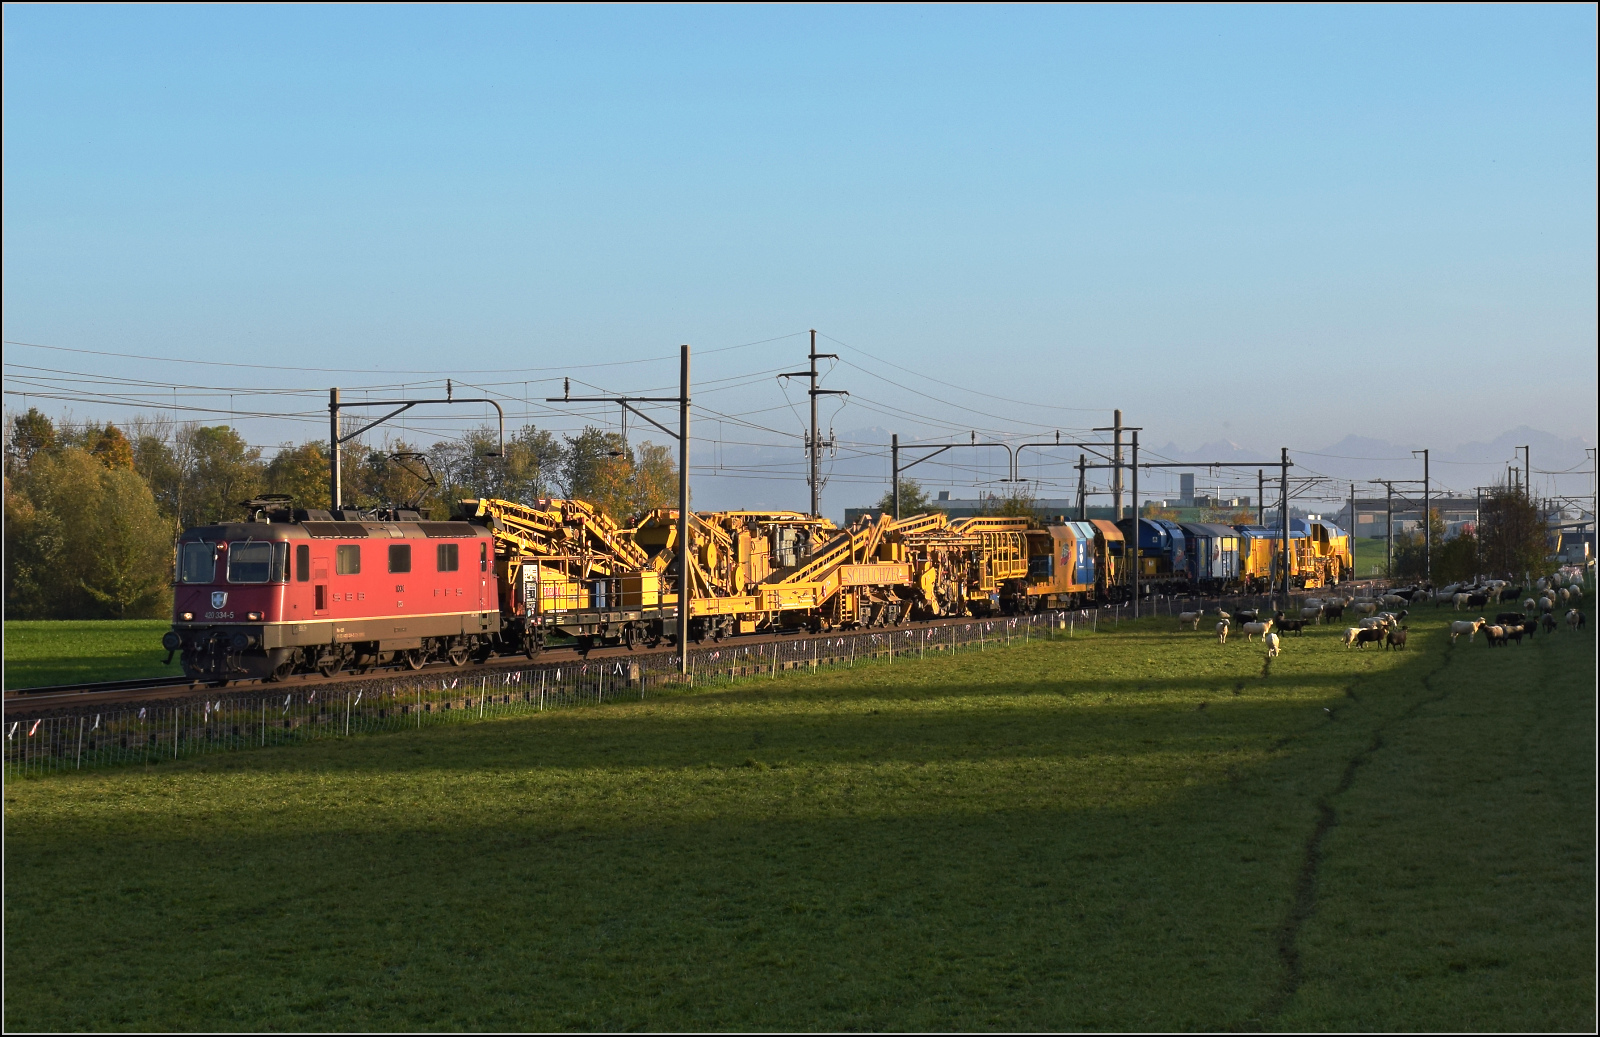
column 319, row 581
column 483, row 573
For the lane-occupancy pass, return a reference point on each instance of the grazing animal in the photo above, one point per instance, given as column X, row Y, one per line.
column 1248, row 616
column 1396, row 639
column 1295, row 626
column 1374, row 623
column 1563, row 595
column 1574, row 619
column 1512, row 632
column 1333, row 611
column 1510, row 593
column 1459, row 600
column 1222, row 632
column 1350, row 635
column 1365, row 608
column 1529, row 628
column 1252, row 629
column 1224, row 616
column 1528, row 604
column 1367, row 637
column 1510, row 617
column 1549, row 622
column 1313, row 614
column 1313, row 603
column 1469, row 627
column 1495, row 635
column 1540, row 584
column 1546, row 605
column 1191, row 618
column 1395, row 600
column 1477, row 601
column 1273, row 645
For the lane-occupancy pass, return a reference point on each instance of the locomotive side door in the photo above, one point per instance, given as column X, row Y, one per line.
column 319, row 576
column 483, row 572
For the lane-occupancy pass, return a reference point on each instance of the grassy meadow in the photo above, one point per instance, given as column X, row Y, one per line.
column 45, row 652
column 1137, row 829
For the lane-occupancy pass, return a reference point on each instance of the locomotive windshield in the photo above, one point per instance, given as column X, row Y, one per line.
column 250, row 563
column 197, row 563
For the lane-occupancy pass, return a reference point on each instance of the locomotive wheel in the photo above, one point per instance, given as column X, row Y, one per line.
column 458, row 655
column 415, row 659
column 331, row 667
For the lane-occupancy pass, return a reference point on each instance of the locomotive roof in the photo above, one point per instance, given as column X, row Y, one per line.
column 334, row 531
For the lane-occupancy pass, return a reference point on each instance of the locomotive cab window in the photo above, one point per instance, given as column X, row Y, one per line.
column 280, row 562
column 197, row 563
column 399, row 558
column 250, row 563
column 302, row 563
column 449, row 557
column 347, row 561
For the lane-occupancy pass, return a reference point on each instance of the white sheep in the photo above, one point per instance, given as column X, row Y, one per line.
column 1252, row 629
column 1459, row 600
column 1350, row 635
column 1574, row 618
column 1222, row 632
column 1191, row 618
column 1272, row 642
column 1466, row 626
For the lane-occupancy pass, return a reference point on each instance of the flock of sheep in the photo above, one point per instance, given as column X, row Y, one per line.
column 1380, row 623
column 1559, row 591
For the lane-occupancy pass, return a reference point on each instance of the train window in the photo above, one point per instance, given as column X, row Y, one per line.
column 449, row 557
column 280, row 562
column 483, row 556
column 197, row 563
column 399, row 558
column 250, row 563
column 347, row 560
column 302, row 562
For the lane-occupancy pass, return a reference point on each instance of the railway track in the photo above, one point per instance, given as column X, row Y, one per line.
column 32, row 701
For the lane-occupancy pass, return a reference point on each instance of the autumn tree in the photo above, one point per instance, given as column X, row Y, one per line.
column 301, row 472
column 1512, row 534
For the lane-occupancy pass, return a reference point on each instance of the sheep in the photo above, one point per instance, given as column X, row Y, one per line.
column 1563, row 595
column 1458, row 600
column 1222, row 632
column 1224, row 616
column 1549, row 623
column 1546, row 605
column 1510, row 617
column 1469, row 627
column 1272, row 644
column 1313, row 614
column 1191, row 618
column 1374, row 623
column 1350, row 635
column 1365, row 608
column 1396, row 639
column 1495, row 635
column 1252, row 629
column 1477, row 601
column 1333, row 611
column 1394, row 600
column 1529, row 628
column 1247, row 616
column 1574, row 619
column 1510, row 593
column 1541, row 583
column 1528, row 604
column 1313, row 603
column 1297, row 626
column 1367, row 637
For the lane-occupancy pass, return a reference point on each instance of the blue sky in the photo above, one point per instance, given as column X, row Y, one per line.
column 1270, row 225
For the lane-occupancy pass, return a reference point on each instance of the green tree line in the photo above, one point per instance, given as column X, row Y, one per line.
column 91, row 510
column 1510, row 540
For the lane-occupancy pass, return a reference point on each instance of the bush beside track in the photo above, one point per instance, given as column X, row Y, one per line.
column 1138, row 829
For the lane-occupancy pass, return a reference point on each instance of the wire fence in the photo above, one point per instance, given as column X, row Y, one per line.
column 267, row 715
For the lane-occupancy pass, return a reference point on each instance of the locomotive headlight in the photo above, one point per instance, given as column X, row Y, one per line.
column 188, row 616
column 252, row 615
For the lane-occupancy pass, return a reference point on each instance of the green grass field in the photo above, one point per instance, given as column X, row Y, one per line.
column 45, row 652
column 1133, row 830
column 1370, row 552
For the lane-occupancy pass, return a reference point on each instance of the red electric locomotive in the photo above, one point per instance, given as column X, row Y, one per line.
column 296, row 591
